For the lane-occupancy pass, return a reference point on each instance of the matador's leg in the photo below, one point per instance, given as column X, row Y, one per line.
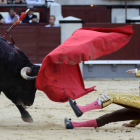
column 126, row 100
column 133, row 123
column 79, row 110
column 116, row 116
column 124, row 114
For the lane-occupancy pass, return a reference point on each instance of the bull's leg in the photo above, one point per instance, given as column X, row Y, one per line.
column 25, row 116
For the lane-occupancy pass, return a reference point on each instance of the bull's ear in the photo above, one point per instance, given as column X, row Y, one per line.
column 27, row 70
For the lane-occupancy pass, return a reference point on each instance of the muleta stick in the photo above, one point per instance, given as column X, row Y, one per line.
column 23, row 15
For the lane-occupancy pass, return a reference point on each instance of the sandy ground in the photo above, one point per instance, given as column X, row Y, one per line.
column 49, row 116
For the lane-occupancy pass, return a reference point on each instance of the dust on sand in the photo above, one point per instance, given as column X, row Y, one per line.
column 49, row 116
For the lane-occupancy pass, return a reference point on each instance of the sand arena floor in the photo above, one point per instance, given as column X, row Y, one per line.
column 49, row 116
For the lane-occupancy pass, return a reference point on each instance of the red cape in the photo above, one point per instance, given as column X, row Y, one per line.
column 60, row 76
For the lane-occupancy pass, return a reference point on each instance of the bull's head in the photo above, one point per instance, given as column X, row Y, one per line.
column 29, row 75
column 17, row 74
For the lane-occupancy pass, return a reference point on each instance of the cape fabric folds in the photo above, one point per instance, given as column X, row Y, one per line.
column 60, row 76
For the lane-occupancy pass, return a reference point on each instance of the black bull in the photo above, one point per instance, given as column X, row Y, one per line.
column 14, row 81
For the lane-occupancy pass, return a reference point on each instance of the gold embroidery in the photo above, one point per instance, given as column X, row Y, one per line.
column 124, row 99
column 138, row 73
column 134, row 123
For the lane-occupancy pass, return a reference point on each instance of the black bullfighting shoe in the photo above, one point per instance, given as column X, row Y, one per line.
column 68, row 124
column 75, row 108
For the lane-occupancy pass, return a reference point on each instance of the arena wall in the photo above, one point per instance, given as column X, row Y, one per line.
column 35, row 40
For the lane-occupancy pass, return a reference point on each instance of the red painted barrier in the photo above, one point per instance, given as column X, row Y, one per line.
column 35, row 40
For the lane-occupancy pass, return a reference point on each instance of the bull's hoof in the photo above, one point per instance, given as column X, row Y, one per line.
column 26, row 117
column 29, row 119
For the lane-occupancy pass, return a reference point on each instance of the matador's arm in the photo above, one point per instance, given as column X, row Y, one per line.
column 134, row 71
column 133, row 123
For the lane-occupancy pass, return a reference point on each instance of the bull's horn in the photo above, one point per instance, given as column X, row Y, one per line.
column 27, row 70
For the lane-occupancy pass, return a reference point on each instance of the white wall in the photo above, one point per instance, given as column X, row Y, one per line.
column 56, row 10
column 97, row 2
column 67, row 30
column 118, row 14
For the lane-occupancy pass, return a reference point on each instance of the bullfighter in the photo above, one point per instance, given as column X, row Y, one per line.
column 131, row 110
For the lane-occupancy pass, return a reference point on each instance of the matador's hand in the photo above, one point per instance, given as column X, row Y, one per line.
column 127, row 125
column 133, row 123
column 134, row 71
